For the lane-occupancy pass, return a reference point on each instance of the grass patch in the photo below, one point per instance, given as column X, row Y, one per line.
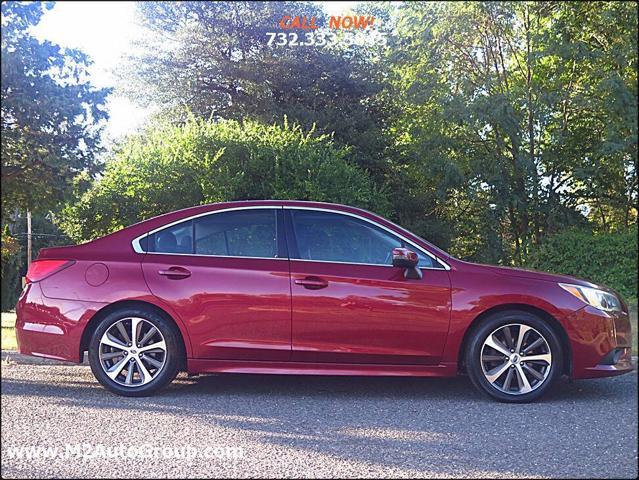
column 8, row 319
column 8, row 341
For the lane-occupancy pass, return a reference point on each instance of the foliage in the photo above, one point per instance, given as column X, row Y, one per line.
column 213, row 58
column 606, row 258
column 14, row 265
column 10, row 246
column 515, row 120
column 9, row 272
column 51, row 114
column 171, row 167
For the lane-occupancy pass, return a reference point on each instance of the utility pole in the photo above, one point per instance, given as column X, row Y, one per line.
column 28, row 238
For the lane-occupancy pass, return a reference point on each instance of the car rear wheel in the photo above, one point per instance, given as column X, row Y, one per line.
column 514, row 356
column 135, row 352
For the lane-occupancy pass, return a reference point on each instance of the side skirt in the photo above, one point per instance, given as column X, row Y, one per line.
column 196, row 366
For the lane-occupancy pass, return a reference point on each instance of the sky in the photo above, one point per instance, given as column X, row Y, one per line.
column 105, row 31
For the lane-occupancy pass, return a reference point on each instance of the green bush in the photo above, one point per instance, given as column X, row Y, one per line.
column 605, row 258
column 10, row 271
column 170, row 167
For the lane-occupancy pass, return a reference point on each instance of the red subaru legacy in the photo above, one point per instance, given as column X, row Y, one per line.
column 291, row 287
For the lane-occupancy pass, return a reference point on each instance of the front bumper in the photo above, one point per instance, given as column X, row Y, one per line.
column 601, row 343
column 51, row 328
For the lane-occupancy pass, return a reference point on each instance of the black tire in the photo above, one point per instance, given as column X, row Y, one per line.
column 172, row 360
column 473, row 357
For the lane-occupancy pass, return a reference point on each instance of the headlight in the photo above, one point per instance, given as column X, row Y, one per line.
column 600, row 299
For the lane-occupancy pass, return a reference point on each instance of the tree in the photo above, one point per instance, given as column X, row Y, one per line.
column 213, row 59
column 591, row 77
column 169, row 167
column 521, row 114
column 51, row 114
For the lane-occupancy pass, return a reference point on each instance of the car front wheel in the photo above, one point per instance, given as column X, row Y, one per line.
column 514, row 356
column 134, row 352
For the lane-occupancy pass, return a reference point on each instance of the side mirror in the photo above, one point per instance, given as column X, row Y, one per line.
column 405, row 258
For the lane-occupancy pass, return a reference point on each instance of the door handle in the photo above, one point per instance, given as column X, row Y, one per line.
column 312, row 283
column 175, row 273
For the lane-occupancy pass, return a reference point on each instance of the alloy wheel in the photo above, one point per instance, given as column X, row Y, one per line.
column 516, row 359
column 132, row 352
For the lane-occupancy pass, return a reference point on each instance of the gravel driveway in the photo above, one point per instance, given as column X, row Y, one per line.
column 302, row 426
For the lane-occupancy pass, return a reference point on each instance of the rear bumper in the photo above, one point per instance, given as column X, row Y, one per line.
column 51, row 328
column 601, row 343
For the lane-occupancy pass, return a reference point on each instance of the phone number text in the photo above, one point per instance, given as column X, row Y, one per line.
column 321, row 39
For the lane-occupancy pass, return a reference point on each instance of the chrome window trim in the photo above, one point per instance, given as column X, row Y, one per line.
column 135, row 243
column 392, row 232
column 362, row 264
column 214, row 256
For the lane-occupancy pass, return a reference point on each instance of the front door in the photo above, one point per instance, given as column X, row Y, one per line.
column 226, row 275
column 350, row 305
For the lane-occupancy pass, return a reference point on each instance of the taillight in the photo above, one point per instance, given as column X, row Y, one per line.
column 40, row 269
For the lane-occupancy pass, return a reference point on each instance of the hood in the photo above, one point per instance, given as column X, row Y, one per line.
column 536, row 275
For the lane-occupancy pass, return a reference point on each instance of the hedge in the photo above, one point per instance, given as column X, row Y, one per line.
column 604, row 258
column 169, row 167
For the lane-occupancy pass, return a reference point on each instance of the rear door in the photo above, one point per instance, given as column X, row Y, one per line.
column 226, row 275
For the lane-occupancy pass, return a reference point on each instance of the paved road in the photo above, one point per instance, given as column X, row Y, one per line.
column 319, row 427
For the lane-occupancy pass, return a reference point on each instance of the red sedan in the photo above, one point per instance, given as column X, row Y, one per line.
column 290, row 287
